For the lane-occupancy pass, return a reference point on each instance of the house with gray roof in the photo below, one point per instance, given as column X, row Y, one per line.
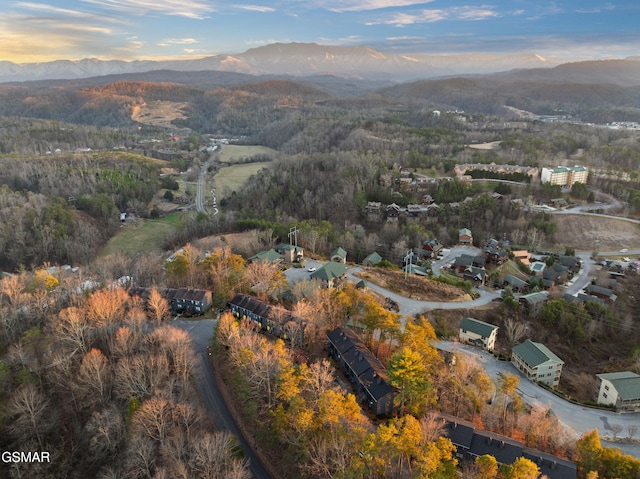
column 465, row 237
column 537, row 362
column 517, row 285
column 534, row 301
column 620, row 389
column 331, row 275
column 600, row 292
column 478, row 333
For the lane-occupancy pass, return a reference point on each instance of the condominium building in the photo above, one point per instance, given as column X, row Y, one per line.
column 564, row 176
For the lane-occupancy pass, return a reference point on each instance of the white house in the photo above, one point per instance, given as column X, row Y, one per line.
column 537, row 363
column 620, row 389
column 479, row 333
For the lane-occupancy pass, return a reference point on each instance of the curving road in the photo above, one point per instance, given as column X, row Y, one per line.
column 201, row 332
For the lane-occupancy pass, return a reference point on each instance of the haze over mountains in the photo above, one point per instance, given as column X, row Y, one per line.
column 305, row 59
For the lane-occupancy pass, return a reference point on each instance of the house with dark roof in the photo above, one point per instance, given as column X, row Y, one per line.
column 571, row 262
column 339, row 255
column 187, row 300
column 537, row 362
column 471, row 443
column 478, row 276
column 516, row 284
column 478, row 333
column 598, row 291
column 463, row 261
column 372, row 259
column 619, row 389
column 364, row 370
column 269, row 319
column 331, row 275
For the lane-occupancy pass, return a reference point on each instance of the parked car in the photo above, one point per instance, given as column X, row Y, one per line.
column 311, row 269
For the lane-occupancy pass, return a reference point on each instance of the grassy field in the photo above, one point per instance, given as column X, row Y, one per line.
column 234, row 153
column 144, row 235
column 231, row 178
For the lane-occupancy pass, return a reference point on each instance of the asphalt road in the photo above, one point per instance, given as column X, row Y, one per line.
column 577, row 419
column 201, row 332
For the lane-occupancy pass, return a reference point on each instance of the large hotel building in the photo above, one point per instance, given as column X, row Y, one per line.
column 564, row 176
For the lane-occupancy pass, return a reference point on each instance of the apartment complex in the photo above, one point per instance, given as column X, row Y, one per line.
column 564, row 176
column 537, row 363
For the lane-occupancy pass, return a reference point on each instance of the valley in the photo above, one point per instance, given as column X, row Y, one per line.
column 141, row 210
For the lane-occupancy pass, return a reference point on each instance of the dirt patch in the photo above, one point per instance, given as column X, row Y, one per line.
column 590, row 233
column 159, row 113
column 413, row 286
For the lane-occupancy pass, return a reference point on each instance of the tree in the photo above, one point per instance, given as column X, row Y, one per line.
column 487, row 466
column 95, row 376
column 522, row 468
column 408, row 373
column 158, row 305
column 29, row 406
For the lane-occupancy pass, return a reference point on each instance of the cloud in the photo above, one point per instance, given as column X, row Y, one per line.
column 177, row 41
column 256, row 8
column 362, row 5
column 431, row 16
column 195, row 9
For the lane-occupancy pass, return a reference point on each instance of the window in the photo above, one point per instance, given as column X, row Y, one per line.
column 604, row 395
column 606, row 388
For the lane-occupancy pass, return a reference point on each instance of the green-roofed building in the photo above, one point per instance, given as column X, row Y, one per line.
column 479, row 333
column 270, row 256
column 620, row 389
column 537, row 363
column 372, row 260
column 339, row 255
column 332, row 275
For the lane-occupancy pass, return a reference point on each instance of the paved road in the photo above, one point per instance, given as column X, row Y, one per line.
column 577, row 419
column 203, row 172
column 201, row 332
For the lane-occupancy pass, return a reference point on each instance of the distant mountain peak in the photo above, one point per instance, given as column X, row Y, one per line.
column 298, row 59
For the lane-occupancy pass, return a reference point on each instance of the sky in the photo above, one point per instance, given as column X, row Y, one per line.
column 46, row 30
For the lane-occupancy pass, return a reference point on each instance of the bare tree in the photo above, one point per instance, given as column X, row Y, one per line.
column 632, row 430
column 616, row 429
column 95, row 375
column 155, row 418
column 29, row 405
column 73, row 327
column 515, row 331
column 158, row 306
column 106, row 432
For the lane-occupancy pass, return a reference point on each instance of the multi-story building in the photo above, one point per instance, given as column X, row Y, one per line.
column 537, row 363
column 564, row 176
column 620, row 389
column 478, row 332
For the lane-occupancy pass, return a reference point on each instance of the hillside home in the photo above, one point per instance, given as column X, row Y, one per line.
column 523, row 256
column 620, row 389
column 478, row 333
column 331, row 275
column 516, row 284
column 433, row 246
column 187, row 300
column 364, row 370
column 532, row 302
column 463, row 261
column 537, row 363
column 598, row 291
column 372, row 259
column 270, row 256
column 277, row 321
column 478, row 276
column 339, row 255
column 465, row 237
column 290, row 253
column 392, row 211
column 471, row 443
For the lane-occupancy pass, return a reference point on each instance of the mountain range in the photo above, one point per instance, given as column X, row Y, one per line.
column 295, row 59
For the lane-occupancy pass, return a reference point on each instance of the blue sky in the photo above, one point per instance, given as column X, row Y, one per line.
column 44, row 30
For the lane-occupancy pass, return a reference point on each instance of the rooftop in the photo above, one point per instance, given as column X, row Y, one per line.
column 535, row 354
